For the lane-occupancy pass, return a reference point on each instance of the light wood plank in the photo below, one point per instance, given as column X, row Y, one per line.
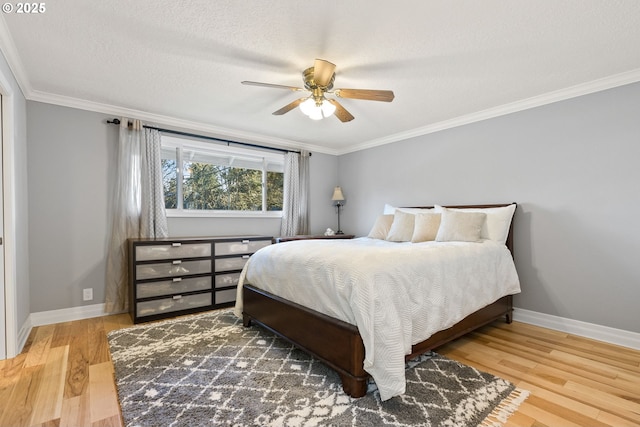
column 18, row 409
column 48, row 402
column 532, row 409
column 41, row 344
column 10, row 375
column 75, row 411
column 62, row 333
column 97, row 342
column 77, row 378
column 113, row 421
column 104, row 399
column 624, row 407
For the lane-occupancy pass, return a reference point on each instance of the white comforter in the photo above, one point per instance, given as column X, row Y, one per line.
column 397, row 294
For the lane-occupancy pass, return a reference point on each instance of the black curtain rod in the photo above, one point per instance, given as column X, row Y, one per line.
column 210, row 138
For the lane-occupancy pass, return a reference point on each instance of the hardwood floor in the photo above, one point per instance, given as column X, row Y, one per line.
column 64, row 377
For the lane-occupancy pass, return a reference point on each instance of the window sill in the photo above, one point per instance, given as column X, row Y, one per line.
column 186, row 213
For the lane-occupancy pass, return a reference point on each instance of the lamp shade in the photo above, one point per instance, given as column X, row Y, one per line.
column 337, row 195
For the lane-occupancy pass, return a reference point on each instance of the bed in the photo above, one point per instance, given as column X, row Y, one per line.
column 268, row 295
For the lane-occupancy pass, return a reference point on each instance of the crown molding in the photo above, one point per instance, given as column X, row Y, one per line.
column 166, row 121
column 605, row 83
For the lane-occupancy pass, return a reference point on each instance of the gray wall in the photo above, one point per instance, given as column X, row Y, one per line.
column 572, row 167
column 20, row 209
column 71, row 170
column 71, row 173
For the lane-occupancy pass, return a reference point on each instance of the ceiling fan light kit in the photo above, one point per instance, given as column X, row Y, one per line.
column 319, row 81
column 317, row 110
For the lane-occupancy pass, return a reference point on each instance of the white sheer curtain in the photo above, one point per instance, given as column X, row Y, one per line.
column 131, row 193
column 153, row 220
column 295, row 208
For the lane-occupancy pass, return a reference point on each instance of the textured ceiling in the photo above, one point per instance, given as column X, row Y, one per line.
column 180, row 64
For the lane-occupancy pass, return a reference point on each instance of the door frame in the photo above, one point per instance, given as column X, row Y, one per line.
column 9, row 207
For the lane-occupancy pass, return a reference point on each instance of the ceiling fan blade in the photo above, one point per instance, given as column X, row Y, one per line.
column 289, row 107
column 322, row 72
column 367, row 94
column 341, row 113
column 293, row 88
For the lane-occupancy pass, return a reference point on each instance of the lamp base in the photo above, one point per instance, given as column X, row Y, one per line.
column 339, row 232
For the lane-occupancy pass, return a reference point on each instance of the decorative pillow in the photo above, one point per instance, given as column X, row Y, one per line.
column 402, row 227
column 426, row 227
column 381, row 227
column 498, row 221
column 460, row 226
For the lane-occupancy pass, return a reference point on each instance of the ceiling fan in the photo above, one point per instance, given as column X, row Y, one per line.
column 319, row 81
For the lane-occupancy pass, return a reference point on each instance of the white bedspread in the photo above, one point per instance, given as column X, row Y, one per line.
column 397, row 294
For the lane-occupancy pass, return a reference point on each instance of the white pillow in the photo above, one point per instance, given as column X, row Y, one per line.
column 498, row 221
column 460, row 226
column 381, row 227
column 426, row 227
column 402, row 227
column 416, row 211
column 389, row 209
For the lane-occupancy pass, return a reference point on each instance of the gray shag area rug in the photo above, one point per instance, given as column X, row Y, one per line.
column 208, row 369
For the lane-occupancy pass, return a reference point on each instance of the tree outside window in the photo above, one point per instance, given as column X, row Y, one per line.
column 215, row 179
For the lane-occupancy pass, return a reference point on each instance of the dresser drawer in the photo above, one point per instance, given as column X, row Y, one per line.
column 231, row 263
column 172, row 269
column 175, row 286
column 172, row 251
column 178, row 303
column 227, row 279
column 240, row 247
column 226, row 296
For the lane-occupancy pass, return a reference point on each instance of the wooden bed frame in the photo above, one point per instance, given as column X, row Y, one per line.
column 339, row 344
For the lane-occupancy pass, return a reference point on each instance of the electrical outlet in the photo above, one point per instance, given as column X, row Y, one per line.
column 87, row 294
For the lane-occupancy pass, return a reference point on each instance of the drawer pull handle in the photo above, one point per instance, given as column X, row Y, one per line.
column 176, row 244
column 177, row 262
column 245, row 242
column 245, row 256
column 177, row 279
column 177, row 296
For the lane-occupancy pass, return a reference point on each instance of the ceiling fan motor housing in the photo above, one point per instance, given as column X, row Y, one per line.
column 310, row 83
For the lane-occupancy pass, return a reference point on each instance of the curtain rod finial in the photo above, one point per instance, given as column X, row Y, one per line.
column 114, row 121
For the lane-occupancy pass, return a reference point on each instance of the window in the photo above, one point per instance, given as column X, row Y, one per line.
column 202, row 178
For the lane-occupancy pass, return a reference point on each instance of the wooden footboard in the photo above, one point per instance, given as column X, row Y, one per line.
column 336, row 343
column 339, row 344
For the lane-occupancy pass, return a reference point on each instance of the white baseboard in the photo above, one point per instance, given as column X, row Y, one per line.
column 577, row 327
column 58, row 316
column 67, row 314
column 23, row 334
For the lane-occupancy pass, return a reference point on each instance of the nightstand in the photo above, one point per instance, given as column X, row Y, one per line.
column 313, row 237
